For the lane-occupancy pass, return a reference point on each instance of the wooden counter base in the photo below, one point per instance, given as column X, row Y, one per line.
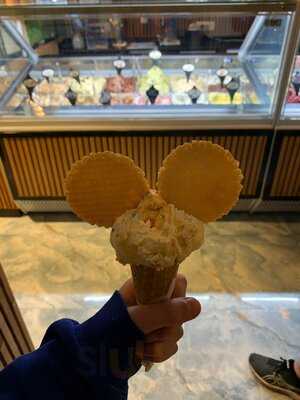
column 14, row 337
column 286, row 180
column 38, row 164
column 7, row 204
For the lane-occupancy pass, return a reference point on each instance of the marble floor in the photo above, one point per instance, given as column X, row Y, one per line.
column 246, row 275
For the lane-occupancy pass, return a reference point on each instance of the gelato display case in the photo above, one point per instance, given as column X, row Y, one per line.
column 178, row 66
column 138, row 78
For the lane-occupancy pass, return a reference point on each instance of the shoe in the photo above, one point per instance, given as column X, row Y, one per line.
column 276, row 375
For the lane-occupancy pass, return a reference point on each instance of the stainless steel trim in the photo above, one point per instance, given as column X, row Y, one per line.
column 244, row 205
column 275, row 206
column 27, row 206
column 19, row 39
column 289, row 124
column 146, row 7
column 43, row 125
column 11, row 90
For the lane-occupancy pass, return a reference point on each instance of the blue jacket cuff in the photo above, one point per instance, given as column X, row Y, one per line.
column 111, row 323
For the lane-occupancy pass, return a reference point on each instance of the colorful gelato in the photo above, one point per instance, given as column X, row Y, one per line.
column 88, row 86
column 181, row 99
column 121, row 84
column 157, row 78
column 18, row 97
column 51, row 100
column 223, row 98
column 163, row 100
column 292, row 97
column 57, row 86
column 181, row 85
column 122, row 99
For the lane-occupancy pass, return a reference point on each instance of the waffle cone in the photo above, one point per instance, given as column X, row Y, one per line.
column 153, row 285
column 102, row 186
column 201, row 178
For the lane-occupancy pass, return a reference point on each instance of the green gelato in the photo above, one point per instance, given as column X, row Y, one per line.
column 157, row 78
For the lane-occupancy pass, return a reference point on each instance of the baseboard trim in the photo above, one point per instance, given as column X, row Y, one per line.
column 10, row 213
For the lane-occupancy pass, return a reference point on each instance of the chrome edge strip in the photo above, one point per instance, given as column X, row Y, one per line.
column 43, row 125
column 138, row 8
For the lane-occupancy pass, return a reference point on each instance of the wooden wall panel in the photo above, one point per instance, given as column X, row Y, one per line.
column 44, row 162
column 6, row 354
column 286, row 181
column 6, row 198
column 14, row 337
column 223, row 26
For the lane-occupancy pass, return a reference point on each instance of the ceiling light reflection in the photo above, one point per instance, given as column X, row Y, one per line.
column 199, row 297
column 270, row 298
column 104, row 298
column 96, row 299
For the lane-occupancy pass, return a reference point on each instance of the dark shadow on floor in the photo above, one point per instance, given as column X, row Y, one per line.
column 235, row 216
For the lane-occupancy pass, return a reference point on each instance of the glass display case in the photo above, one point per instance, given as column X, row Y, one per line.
column 213, row 66
column 140, row 78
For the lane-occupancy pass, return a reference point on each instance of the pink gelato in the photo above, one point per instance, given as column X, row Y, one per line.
column 292, row 97
column 120, row 84
column 163, row 100
column 140, row 100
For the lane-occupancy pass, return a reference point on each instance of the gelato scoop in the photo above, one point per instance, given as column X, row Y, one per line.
column 154, row 77
column 181, row 85
column 88, row 86
column 120, row 84
column 155, row 234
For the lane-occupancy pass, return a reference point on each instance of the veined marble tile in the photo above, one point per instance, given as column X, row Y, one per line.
column 247, row 277
column 74, row 257
column 212, row 361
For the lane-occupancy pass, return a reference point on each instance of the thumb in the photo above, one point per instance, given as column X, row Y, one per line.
column 149, row 318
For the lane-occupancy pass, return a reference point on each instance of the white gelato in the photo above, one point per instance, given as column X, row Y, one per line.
column 181, row 85
column 88, row 86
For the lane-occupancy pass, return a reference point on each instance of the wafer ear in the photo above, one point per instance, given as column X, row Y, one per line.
column 102, row 186
column 201, row 178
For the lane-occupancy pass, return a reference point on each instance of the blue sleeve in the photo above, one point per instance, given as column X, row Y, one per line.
column 92, row 360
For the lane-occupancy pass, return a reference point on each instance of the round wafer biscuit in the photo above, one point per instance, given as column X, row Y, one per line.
column 201, row 178
column 102, row 186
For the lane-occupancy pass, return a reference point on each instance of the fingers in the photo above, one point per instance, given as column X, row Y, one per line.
column 165, row 335
column 180, row 286
column 160, row 345
column 173, row 312
column 157, row 352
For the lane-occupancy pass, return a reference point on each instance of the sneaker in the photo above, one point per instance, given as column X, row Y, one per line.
column 276, row 375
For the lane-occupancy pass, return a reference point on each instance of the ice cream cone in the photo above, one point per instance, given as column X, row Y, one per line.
column 153, row 285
